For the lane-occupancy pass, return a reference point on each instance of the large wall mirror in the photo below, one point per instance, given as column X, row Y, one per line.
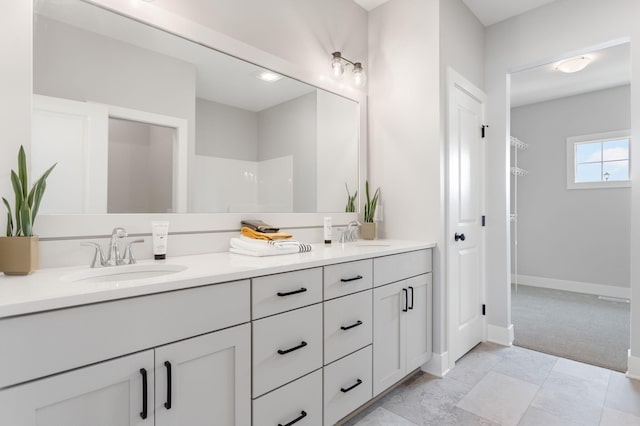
column 143, row 121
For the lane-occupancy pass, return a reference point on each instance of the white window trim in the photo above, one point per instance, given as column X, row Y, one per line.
column 595, row 137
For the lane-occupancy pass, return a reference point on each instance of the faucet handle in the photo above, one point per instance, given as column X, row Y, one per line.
column 97, row 252
column 127, row 257
column 119, row 232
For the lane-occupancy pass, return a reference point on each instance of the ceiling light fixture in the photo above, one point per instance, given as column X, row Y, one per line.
column 268, row 76
column 338, row 64
column 574, row 64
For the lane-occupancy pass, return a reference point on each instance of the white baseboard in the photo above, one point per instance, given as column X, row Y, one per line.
column 500, row 335
column 438, row 365
column 633, row 366
column 574, row 286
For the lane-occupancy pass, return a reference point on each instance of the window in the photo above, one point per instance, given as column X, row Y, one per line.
column 599, row 161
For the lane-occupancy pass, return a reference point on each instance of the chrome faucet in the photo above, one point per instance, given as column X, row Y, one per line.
column 114, row 258
column 352, row 228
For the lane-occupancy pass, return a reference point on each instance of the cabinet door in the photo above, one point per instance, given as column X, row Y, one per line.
column 105, row 394
column 210, row 380
column 389, row 335
column 419, row 321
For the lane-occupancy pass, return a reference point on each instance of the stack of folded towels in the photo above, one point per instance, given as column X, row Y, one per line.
column 261, row 239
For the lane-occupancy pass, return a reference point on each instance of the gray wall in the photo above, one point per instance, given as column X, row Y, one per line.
column 225, row 131
column 290, row 128
column 578, row 235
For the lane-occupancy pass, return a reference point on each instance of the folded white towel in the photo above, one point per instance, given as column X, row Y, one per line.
column 268, row 248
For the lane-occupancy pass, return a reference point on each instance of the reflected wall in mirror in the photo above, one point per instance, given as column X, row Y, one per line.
column 253, row 142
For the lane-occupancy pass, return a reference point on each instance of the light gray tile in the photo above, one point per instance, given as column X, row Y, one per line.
column 472, row 367
column 581, row 370
column 524, row 364
column 493, row 348
column 383, row 417
column 425, row 399
column 623, row 394
column 537, row 417
column 572, row 398
column 499, row 398
column 611, row 417
column 458, row 416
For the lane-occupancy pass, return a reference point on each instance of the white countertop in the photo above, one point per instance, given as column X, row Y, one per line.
column 45, row 289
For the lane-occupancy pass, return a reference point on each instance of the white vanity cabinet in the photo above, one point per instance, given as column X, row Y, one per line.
column 402, row 339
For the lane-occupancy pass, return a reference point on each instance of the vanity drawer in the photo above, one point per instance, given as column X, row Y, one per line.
column 41, row 344
column 285, row 347
column 347, row 278
column 347, row 385
column 347, row 325
column 300, row 399
column 283, row 292
column 389, row 269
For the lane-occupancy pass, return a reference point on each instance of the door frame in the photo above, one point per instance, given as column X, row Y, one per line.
column 455, row 79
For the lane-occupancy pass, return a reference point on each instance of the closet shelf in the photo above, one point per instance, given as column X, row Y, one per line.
column 517, row 171
column 518, row 143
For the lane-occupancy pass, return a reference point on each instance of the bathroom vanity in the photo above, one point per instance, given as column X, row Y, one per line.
column 303, row 339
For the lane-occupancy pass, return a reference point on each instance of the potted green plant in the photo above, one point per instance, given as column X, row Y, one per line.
column 351, row 200
column 19, row 251
column 368, row 228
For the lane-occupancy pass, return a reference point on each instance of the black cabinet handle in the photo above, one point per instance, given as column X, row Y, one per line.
column 346, row 280
column 460, row 237
column 349, row 327
column 289, row 293
column 295, row 348
column 143, row 413
column 411, row 288
column 167, row 404
column 302, row 415
column 406, row 299
column 358, row 383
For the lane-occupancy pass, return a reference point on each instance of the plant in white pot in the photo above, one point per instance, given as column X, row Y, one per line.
column 368, row 228
column 19, row 251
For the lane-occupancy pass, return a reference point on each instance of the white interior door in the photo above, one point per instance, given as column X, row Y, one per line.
column 465, row 238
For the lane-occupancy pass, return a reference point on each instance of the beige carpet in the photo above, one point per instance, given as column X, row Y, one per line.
column 577, row 326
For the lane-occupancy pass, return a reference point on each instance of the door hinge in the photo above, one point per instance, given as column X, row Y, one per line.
column 484, row 126
column 484, row 220
column 484, row 309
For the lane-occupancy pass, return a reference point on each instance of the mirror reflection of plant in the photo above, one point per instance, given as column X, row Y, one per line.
column 371, row 203
column 351, row 200
column 27, row 203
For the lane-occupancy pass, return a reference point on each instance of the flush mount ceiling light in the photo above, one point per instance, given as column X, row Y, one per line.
column 268, row 76
column 338, row 64
column 574, row 64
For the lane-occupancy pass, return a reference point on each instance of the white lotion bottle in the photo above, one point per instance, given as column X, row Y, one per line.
column 160, row 232
column 327, row 230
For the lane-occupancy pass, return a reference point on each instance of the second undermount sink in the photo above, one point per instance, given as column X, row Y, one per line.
column 136, row 271
column 372, row 245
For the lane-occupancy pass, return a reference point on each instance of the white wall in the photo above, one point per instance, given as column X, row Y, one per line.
column 290, row 129
column 538, row 36
column 404, row 141
column 580, row 235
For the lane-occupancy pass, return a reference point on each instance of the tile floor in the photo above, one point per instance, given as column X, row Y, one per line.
column 496, row 385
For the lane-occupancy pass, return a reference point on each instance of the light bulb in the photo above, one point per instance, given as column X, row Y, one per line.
column 337, row 65
column 359, row 77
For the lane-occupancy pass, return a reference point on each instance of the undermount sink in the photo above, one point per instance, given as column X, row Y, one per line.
column 137, row 271
column 372, row 245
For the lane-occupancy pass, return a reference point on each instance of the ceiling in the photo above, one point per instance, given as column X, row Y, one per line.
column 610, row 67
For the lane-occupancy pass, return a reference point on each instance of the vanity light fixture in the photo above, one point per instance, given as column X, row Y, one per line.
column 338, row 63
column 268, row 76
column 574, row 64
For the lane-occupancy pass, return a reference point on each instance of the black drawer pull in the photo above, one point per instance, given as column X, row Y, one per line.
column 289, row 293
column 167, row 404
column 356, row 278
column 302, row 415
column 411, row 288
column 406, row 300
column 349, row 327
column 358, row 383
column 143, row 413
column 295, row 348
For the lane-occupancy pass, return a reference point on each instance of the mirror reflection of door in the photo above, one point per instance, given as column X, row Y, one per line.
column 140, row 172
